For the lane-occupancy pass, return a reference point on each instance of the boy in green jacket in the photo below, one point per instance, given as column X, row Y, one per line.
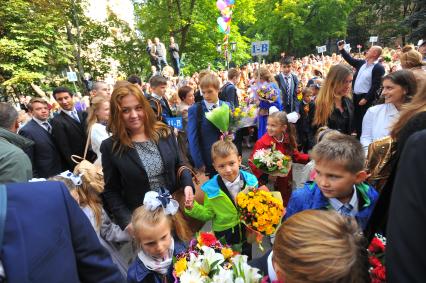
column 220, row 193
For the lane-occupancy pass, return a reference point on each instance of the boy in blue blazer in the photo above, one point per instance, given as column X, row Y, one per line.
column 339, row 165
column 202, row 134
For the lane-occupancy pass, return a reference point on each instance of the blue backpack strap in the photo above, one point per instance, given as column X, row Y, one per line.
column 3, row 208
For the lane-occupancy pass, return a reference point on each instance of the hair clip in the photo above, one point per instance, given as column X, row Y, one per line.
column 154, row 200
column 76, row 179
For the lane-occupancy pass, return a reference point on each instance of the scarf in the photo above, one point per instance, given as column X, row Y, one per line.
column 159, row 265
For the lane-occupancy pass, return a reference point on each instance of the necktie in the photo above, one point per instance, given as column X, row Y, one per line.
column 346, row 210
column 47, row 127
column 75, row 116
column 212, row 107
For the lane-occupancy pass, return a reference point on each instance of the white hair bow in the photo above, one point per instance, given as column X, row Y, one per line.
column 153, row 200
column 76, row 179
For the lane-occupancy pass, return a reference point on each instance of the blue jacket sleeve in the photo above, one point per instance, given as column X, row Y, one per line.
column 192, row 132
column 295, row 204
column 93, row 261
column 356, row 63
column 296, row 102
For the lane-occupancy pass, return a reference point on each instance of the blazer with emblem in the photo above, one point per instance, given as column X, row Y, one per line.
column 47, row 238
column 44, row 154
column 126, row 180
column 69, row 136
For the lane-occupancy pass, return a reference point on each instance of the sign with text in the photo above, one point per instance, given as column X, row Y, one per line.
column 260, row 48
column 175, row 122
column 72, row 76
column 321, row 49
column 374, row 39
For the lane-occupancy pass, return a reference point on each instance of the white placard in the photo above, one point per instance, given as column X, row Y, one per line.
column 321, row 49
column 348, row 47
column 374, row 39
column 260, row 48
column 72, row 76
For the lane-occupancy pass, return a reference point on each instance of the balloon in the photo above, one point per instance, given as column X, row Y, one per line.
column 226, row 19
column 226, row 12
column 230, row 2
column 222, row 24
column 221, row 5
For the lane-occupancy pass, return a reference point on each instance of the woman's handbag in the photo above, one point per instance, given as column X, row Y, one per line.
column 379, row 161
column 186, row 226
column 93, row 173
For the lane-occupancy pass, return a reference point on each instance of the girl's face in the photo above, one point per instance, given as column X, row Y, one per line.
column 190, row 98
column 103, row 112
column 275, row 128
column 393, row 93
column 346, row 87
column 132, row 113
column 155, row 240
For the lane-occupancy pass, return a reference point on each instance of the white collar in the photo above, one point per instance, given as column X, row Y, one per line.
column 228, row 183
column 337, row 204
column 156, row 96
column 70, row 111
column 210, row 105
column 40, row 122
column 271, row 272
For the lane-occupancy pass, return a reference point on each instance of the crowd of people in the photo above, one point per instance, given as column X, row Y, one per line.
column 122, row 155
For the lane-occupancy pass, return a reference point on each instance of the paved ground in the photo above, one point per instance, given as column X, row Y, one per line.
column 297, row 168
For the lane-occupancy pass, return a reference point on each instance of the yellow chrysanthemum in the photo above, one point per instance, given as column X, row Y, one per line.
column 227, row 253
column 180, row 266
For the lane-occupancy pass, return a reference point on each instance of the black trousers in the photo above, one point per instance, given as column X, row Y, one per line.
column 238, row 140
column 359, row 112
column 234, row 237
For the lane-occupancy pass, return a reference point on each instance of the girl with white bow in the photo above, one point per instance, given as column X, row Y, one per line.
column 152, row 229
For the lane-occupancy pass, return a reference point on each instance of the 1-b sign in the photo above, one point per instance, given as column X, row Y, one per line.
column 260, row 48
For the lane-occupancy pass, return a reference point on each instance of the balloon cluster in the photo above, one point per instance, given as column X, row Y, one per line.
column 224, row 21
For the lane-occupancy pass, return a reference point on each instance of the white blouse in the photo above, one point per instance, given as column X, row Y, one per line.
column 377, row 123
column 98, row 134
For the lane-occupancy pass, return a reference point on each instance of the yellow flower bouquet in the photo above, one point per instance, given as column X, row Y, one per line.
column 260, row 211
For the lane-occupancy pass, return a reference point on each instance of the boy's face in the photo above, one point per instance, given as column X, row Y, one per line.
column 335, row 181
column 286, row 69
column 228, row 167
column 307, row 98
column 210, row 94
column 160, row 90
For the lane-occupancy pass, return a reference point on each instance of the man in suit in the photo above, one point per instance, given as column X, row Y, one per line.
column 174, row 52
column 69, row 128
column 288, row 84
column 44, row 155
column 366, row 82
column 48, row 238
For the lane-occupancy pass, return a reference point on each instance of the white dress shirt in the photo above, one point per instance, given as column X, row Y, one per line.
column 233, row 187
column 363, row 79
column 210, row 105
column 43, row 124
column 377, row 123
column 271, row 271
column 98, row 134
column 71, row 113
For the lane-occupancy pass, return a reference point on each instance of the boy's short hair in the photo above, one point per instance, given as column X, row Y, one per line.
column 233, row 73
column 61, row 89
column 286, row 61
column 36, row 100
column 306, row 91
column 344, row 149
column 157, row 80
column 223, row 149
column 134, row 79
column 210, row 80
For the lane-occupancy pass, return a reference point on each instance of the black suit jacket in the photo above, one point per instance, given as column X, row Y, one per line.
column 405, row 257
column 228, row 93
column 44, row 154
column 289, row 100
column 126, row 180
column 376, row 76
column 69, row 136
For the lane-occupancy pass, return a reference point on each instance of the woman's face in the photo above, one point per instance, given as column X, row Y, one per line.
column 190, row 98
column 132, row 113
column 102, row 114
column 346, row 87
column 393, row 93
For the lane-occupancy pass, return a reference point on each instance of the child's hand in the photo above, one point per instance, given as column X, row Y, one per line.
column 189, row 197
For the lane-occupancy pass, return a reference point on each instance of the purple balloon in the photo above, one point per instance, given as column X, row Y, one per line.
column 230, row 2
column 221, row 5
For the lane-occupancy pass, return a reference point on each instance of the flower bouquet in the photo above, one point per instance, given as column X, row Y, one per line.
column 272, row 161
column 207, row 260
column 242, row 117
column 376, row 258
column 265, row 91
column 260, row 211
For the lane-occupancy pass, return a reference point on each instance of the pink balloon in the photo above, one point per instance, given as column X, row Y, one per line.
column 226, row 19
column 221, row 5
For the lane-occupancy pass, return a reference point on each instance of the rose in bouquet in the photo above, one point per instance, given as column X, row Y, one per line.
column 272, row 161
column 376, row 258
column 265, row 91
column 260, row 211
column 208, row 260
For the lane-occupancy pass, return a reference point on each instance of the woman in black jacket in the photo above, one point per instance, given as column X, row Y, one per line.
column 141, row 155
column 333, row 106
